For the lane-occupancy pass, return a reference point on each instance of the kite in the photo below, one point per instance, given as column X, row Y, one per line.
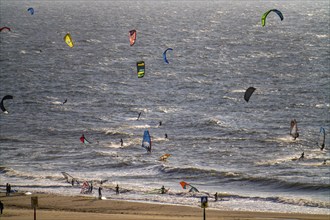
column 322, row 138
column 164, row 55
column 146, row 141
column 132, row 37
column 294, row 129
column 84, row 140
column 68, row 40
column 192, row 188
column 164, row 157
column 263, row 18
column 248, row 93
column 1, row 104
column 140, row 69
column 31, row 10
column 5, row 28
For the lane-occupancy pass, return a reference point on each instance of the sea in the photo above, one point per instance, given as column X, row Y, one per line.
column 219, row 143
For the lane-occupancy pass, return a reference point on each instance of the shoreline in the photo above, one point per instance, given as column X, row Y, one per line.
column 50, row 206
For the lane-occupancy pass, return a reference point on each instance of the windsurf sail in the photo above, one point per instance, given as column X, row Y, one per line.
column 264, row 16
column 5, row 28
column 1, row 103
column 164, row 55
column 85, row 188
column 322, row 138
column 140, row 69
column 68, row 40
column 31, row 10
column 248, row 93
column 185, row 185
column 132, row 37
column 294, row 129
column 69, row 178
column 84, row 140
column 164, row 157
column 146, row 141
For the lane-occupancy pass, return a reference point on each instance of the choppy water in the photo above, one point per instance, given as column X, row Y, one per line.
column 219, row 143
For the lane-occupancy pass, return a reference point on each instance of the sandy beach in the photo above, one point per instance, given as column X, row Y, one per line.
column 51, row 206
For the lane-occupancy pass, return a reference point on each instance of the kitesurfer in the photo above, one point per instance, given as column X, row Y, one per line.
column 324, row 162
column 100, row 193
column 165, row 135
column 1, row 207
column 7, row 189
column 65, row 101
column 160, row 123
column 216, row 196
column 72, row 182
column 117, row 189
column 91, row 188
column 121, row 142
column 302, row 156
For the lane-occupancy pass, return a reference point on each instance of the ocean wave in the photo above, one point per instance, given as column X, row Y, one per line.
column 283, row 200
column 28, row 175
column 228, row 176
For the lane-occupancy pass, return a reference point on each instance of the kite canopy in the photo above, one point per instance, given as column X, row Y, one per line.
column 68, row 40
column 132, row 37
column 164, row 55
column 1, row 103
column 294, row 129
column 264, row 16
column 5, row 28
column 140, row 69
column 31, row 10
column 146, row 141
column 248, row 93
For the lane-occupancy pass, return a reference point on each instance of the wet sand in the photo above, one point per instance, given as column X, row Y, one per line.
column 51, row 207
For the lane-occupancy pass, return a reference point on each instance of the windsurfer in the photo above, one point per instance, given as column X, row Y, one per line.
column 163, row 189
column 117, row 189
column 138, row 116
column 121, row 142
